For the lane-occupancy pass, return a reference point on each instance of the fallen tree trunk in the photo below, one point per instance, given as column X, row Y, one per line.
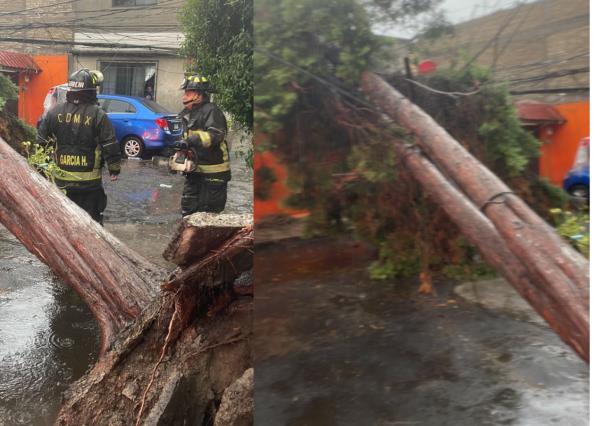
column 485, row 189
column 555, row 269
column 481, row 232
column 174, row 363
column 113, row 280
column 166, row 358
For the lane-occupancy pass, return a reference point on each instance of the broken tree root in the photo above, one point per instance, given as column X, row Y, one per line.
column 174, row 363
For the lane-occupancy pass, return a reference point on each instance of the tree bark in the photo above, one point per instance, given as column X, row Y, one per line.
column 113, row 280
column 483, row 187
column 166, row 358
column 174, row 363
column 201, row 233
column 133, row 384
column 553, row 306
column 555, row 269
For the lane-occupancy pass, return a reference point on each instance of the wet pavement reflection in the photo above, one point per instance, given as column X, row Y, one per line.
column 334, row 348
column 48, row 337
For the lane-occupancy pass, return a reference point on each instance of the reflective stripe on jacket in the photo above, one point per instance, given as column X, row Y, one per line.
column 206, row 126
column 84, row 138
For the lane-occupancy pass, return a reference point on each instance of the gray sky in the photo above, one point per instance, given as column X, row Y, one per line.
column 461, row 10
column 464, row 10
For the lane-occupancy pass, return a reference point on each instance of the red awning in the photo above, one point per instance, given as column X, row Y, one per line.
column 17, row 61
column 533, row 112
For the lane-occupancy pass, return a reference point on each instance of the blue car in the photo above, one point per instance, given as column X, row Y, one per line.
column 576, row 182
column 141, row 125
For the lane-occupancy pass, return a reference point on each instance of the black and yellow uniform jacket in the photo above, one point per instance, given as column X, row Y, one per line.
column 85, row 139
column 205, row 130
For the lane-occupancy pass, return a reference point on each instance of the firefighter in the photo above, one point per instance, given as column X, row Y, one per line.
column 84, row 139
column 205, row 131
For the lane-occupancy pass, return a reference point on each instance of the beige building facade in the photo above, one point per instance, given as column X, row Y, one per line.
column 134, row 42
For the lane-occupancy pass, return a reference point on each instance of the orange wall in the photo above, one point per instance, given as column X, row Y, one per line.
column 32, row 93
column 558, row 150
column 278, row 191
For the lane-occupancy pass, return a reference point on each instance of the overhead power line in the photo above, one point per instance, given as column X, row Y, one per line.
column 90, row 17
column 35, row 10
column 89, row 43
column 559, row 90
column 17, row 12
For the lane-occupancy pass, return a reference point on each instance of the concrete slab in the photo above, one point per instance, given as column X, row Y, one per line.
column 498, row 295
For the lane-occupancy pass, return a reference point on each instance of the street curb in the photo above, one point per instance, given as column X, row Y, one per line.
column 498, row 295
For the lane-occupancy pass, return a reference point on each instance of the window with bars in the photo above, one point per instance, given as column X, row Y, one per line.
column 129, row 78
column 126, row 3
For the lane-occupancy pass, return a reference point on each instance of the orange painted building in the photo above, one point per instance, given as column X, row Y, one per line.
column 34, row 76
column 270, row 185
column 560, row 142
column 34, row 87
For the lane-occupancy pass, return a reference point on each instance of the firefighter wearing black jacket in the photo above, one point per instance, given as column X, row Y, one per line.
column 84, row 139
column 205, row 130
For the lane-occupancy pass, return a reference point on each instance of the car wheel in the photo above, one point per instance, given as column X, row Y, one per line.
column 579, row 191
column 132, row 147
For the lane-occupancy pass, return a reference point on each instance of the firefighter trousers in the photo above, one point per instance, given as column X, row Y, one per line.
column 92, row 201
column 203, row 194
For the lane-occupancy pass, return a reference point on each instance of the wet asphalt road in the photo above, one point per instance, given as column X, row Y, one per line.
column 48, row 337
column 334, row 348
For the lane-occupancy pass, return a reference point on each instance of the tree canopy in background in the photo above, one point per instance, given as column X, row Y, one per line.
column 8, row 91
column 219, row 43
column 331, row 40
column 309, row 55
column 12, row 130
column 298, row 39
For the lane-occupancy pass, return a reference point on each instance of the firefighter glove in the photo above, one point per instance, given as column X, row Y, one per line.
column 181, row 145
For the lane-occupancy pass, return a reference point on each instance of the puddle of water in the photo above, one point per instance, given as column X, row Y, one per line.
column 48, row 337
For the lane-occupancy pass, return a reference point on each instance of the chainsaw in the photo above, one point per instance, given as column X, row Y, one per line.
column 184, row 159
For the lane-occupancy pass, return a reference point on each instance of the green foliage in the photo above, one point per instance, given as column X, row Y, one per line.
column 574, row 228
column 41, row 158
column 22, row 130
column 412, row 232
column 509, row 146
column 297, row 38
column 340, row 157
column 264, row 177
column 420, row 16
column 8, row 90
column 218, row 39
column 469, row 271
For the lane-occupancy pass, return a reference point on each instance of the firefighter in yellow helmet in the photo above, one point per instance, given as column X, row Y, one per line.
column 205, row 130
column 84, row 139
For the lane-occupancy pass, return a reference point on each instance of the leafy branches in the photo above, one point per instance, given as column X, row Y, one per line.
column 8, row 90
column 218, row 39
column 41, row 159
column 331, row 40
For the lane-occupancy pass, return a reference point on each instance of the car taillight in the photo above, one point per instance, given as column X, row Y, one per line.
column 582, row 156
column 162, row 123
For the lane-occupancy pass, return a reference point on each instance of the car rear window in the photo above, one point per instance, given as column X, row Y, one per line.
column 154, row 106
column 119, row 106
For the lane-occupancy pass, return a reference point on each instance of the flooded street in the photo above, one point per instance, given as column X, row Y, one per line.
column 48, row 337
column 334, row 348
